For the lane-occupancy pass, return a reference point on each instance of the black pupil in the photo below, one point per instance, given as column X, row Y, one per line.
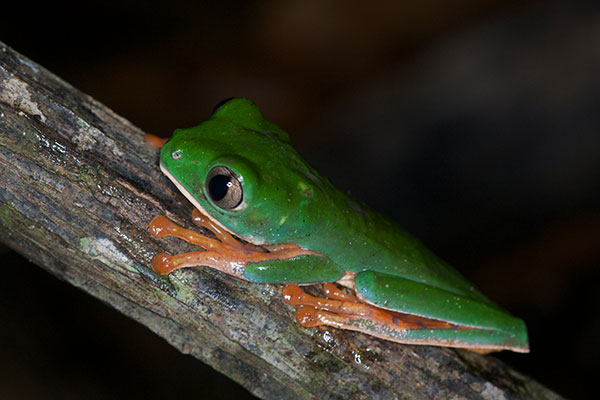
column 218, row 186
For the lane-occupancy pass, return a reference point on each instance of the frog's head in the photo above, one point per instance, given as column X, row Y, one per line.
column 241, row 171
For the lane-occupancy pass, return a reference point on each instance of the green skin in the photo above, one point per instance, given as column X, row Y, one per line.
column 287, row 201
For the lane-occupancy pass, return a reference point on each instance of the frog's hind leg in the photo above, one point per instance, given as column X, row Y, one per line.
column 344, row 311
column 375, row 310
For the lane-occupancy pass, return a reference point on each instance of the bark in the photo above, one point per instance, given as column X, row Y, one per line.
column 78, row 186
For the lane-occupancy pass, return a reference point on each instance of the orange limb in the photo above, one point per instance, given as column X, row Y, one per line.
column 341, row 310
column 333, row 292
column 162, row 227
column 163, row 263
column 224, row 253
column 225, row 237
column 154, row 141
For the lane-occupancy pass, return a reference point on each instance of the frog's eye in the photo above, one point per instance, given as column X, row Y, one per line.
column 224, row 188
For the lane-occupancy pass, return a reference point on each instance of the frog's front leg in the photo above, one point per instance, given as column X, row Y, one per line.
column 217, row 254
column 225, row 253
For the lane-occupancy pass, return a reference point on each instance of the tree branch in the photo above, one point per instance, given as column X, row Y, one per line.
column 78, row 186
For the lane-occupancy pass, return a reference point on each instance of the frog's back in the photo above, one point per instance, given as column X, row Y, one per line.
column 360, row 239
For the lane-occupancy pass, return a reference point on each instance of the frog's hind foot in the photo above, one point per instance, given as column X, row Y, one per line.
column 345, row 311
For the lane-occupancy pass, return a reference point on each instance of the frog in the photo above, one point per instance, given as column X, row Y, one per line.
column 276, row 220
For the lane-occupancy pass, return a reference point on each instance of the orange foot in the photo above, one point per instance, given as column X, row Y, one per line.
column 344, row 311
column 225, row 253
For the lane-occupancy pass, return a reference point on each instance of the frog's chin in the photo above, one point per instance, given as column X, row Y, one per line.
column 202, row 210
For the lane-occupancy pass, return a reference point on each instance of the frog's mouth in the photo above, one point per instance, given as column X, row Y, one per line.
column 203, row 211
